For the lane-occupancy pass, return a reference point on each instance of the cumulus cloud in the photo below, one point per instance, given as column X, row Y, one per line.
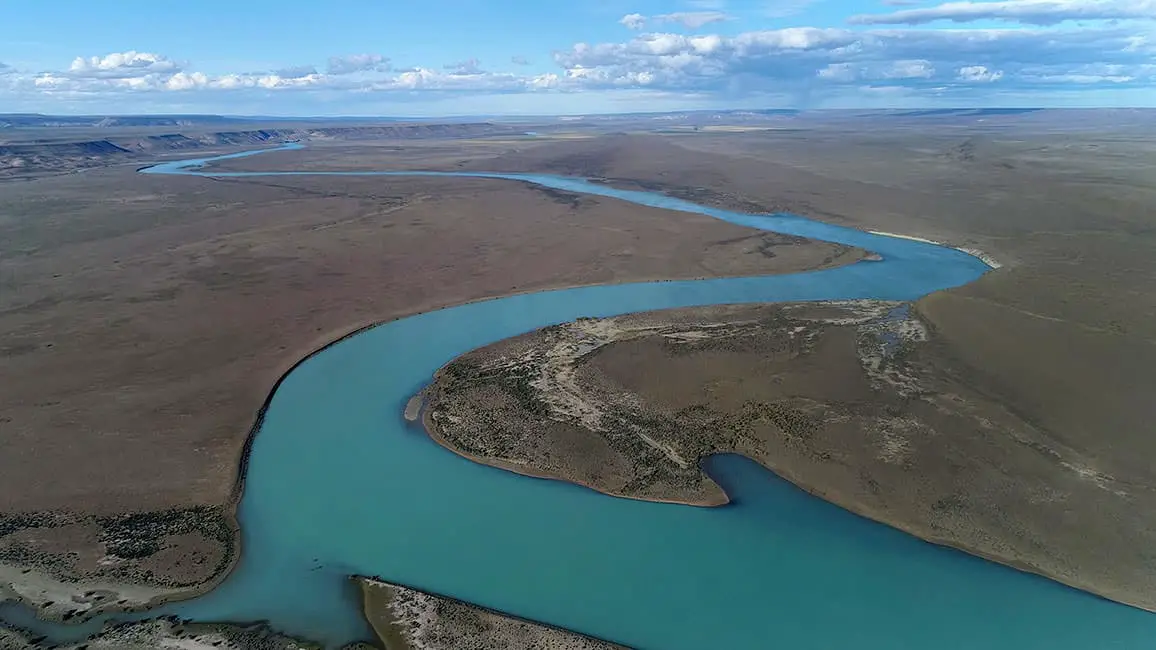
column 979, row 73
column 185, row 81
column 123, row 65
column 804, row 60
column 633, row 21
column 352, row 63
column 796, row 62
column 1036, row 12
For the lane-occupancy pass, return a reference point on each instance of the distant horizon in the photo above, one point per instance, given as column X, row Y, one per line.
column 288, row 116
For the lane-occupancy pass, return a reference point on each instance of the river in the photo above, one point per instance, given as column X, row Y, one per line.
column 338, row 484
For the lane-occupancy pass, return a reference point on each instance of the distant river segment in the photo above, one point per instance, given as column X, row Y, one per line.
column 339, row 483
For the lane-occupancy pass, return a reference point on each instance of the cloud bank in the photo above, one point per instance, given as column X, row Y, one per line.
column 1085, row 44
column 1036, row 12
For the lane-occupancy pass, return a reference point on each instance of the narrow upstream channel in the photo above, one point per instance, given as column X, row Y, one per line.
column 339, row 484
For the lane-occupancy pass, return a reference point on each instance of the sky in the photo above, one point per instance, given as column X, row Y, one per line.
column 486, row 57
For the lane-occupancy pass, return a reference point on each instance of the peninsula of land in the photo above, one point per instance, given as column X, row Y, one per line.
column 861, row 403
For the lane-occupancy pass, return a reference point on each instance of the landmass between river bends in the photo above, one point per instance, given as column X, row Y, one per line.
column 610, row 405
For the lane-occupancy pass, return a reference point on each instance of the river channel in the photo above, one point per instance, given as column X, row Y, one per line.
column 339, row 484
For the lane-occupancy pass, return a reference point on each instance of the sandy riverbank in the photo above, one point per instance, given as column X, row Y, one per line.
column 982, row 256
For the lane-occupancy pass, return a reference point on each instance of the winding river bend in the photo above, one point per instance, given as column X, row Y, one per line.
column 338, row 484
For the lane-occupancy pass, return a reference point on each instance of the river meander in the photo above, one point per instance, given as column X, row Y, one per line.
column 338, row 484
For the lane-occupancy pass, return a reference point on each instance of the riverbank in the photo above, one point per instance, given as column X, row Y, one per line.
column 986, row 258
column 409, row 619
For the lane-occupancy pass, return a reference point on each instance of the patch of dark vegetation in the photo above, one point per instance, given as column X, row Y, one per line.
column 140, row 535
column 707, row 196
column 13, row 522
column 513, row 381
column 133, row 537
column 560, row 197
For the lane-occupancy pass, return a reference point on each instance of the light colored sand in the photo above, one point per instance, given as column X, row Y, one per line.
column 413, row 407
column 974, row 252
column 37, row 588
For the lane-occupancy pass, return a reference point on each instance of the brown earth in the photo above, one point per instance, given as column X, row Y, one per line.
column 143, row 320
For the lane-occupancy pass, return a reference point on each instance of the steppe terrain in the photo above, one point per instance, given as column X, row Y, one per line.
column 144, row 320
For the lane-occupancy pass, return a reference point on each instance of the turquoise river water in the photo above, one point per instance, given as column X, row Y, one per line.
column 338, row 484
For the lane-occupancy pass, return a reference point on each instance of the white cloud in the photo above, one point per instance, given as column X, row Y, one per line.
column 185, row 81
column 519, row 60
column 633, row 21
column 802, row 64
column 122, row 64
column 1037, row 12
column 688, row 19
column 979, row 73
column 352, row 63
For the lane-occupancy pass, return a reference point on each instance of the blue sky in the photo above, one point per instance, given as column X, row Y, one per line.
column 455, row 57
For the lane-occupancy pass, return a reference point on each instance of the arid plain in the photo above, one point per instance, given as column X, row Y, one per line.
column 145, row 319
